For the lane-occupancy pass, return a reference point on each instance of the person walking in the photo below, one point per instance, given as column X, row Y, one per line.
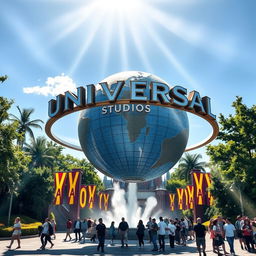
column 162, row 227
column 177, row 231
column 239, row 232
column 183, row 231
column 101, row 231
column 190, row 229
column 186, row 222
column 254, row 230
column 229, row 230
column 16, row 233
column 247, row 234
column 93, row 231
column 69, row 230
column 77, row 229
column 46, row 234
column 200, row 232
column 212, row 236
column 84, row 227
column 89, row 223
column 149, row 224
column 112, row 232
column 171, row 232
column 154, row 229
column 219, row 236
column 140, row 232
column 53, row 223
column 123, row 231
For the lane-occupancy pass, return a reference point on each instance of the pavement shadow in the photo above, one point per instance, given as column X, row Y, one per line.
column 109, row 250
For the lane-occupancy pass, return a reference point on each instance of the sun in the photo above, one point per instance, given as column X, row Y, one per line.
column 134, row 25
column 123, row 7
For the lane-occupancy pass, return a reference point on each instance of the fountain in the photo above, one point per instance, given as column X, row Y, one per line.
column 127, row 207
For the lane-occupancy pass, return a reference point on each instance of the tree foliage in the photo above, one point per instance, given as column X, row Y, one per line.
column 173, row 184
column 89, row 175
column 40, row 152
column 187, row 163
column 235, row 156
column 3, row 78
column 27, row 172
column 35, row 193
column 12, row 160
column 25, row 124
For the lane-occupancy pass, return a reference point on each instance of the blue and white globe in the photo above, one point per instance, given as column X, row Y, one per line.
column 132, row 146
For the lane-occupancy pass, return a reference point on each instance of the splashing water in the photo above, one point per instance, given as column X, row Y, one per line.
column 128, row 207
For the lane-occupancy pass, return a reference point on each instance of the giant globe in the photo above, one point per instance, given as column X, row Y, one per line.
column 132, row 143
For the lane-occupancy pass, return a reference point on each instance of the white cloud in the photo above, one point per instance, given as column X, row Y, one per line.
column 53, row 86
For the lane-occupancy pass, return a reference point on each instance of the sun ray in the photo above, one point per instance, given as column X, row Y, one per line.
column 194, row 34
column 169, row 55
column 71, row 21
column 123, row 46
column 177, row 25
column 133, row 28
column 30, row 39
column 86, row 44
column 107, row 43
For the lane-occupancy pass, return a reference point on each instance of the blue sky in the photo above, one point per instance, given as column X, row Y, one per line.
column 50, row 46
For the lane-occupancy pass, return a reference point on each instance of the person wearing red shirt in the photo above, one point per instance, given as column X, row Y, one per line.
column 69, row 230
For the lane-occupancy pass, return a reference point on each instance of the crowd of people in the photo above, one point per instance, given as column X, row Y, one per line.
column 244, row 229
column 175, row 231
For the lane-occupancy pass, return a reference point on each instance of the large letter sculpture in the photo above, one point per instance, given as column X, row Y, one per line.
column 190, row 190
column 59, row 180
column 208, row 184
column 83, row 196
column 91, row 193
column 198, row 178
column 73, row 188
column 172, row 198
column 180, row 193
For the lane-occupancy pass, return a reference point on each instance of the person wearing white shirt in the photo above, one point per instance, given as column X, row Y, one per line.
column 162, row 227
column 45, row 235
column 16, row 233
column 229, row 230
column 171, row 232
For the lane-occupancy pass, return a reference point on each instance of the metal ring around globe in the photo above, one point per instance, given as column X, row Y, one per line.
column 204, row 142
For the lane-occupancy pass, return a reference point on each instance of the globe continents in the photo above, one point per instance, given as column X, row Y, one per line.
column 134, row 142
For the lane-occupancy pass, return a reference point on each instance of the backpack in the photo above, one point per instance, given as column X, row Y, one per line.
column 50, row 230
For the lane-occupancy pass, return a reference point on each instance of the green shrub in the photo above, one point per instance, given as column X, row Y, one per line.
column 26, row 230
column 24, row 219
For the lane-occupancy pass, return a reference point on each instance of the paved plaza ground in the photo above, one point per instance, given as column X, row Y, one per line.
column 30, row 246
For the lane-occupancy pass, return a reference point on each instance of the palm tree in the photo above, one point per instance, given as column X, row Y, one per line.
column 40, row 152
column 25, row 124
column 3, row 78
column 188, row 163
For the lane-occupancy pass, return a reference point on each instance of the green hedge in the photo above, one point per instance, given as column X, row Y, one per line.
column 26, row 230
column 24, row 219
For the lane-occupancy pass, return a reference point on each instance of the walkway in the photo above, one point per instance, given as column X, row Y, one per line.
column 30, row 247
